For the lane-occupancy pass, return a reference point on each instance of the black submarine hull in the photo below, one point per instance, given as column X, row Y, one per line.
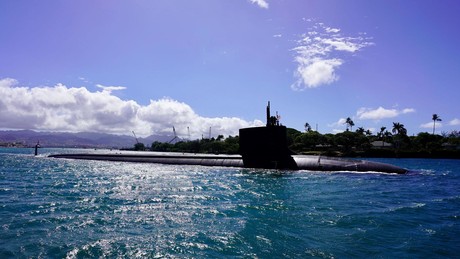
column 160, row 158
column 301, row 162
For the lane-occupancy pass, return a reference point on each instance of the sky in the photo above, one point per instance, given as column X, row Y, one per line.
column 150, row 65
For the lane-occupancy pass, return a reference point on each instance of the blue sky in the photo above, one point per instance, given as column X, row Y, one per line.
column 117, row 66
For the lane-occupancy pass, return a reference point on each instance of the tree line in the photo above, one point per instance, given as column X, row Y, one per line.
column 386, row 142
column 392, row 142
column 219, row 145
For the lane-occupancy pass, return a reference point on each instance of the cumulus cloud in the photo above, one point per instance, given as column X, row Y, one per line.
column 454, row 122
column 260, row 3
column 315, row 72
column 318, row 55
column 380, row 113
column 62, row 108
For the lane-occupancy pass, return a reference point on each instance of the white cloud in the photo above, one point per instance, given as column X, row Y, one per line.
column 315, row 72
column 260, row 3
column 338, row 123
column 85, row 80
column 317, row 55
column 110, row 88
column 8, row 82
column 380, row 113
column 336, row 131
column 332, row 30
column 408, row 110
column 377, row 114
column 454, row 122
column 62, row 108
column 429, row 125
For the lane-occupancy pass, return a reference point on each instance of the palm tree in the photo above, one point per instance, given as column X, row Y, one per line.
column 349, row 123
column 383, row 134
column 435, row 118
column 360, row 130
column 399, row 129
column 382, row 130
column 386, row 135
column 368, row 132
column 307, row 127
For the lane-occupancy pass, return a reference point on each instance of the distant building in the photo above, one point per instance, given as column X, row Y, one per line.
column 381, row 144
column 450, row 146
column 12, row 144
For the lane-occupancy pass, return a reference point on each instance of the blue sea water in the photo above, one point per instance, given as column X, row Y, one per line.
column 78, row 209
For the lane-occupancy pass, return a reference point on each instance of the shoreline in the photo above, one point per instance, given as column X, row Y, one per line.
column 374, row 153
column 444, row 154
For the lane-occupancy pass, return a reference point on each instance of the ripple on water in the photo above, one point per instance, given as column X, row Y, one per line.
column 75, row 209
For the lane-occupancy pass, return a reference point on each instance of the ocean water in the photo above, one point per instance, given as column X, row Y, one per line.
column 62, row 208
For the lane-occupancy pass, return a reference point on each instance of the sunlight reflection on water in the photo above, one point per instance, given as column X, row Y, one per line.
column 75, row 209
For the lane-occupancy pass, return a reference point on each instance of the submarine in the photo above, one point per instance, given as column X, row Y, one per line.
column 260, row 147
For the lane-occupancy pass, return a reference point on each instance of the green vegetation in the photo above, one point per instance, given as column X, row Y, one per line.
column 359, row 143
column 362, row 143
column 139, row 147
column 217, row 145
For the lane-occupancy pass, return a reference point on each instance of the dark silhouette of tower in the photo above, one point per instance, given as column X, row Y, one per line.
column 266, row 147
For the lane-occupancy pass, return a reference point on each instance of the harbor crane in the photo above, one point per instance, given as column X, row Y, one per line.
column 137, row 141
column 175, row 136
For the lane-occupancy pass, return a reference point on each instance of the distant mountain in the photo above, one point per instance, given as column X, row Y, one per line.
column 81, row 139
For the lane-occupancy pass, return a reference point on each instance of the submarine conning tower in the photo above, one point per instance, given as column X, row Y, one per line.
column 266, row 147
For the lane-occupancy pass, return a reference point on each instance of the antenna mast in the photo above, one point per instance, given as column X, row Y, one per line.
column 272, row 120
column 268, row 113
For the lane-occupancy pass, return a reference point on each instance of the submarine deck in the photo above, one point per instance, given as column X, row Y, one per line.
column 303, row 162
